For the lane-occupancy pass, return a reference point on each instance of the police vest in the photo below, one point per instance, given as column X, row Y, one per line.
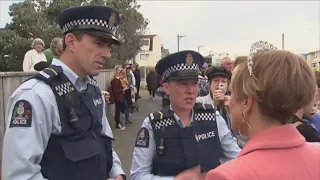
column 80, row 151
column 177, row 148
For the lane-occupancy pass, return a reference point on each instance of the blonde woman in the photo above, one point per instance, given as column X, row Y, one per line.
column 265, row 92
column 34, row 56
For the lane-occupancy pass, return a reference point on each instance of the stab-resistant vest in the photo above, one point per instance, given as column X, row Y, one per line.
column 80, row 151
column 177, row 148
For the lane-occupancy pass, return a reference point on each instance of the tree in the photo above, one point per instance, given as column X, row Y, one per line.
column 38, row 19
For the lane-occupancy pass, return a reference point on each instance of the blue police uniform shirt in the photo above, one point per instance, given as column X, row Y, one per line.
column 23, row 147
column 143, row 157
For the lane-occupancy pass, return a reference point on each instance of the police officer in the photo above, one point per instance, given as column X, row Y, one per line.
column 186, row 139
column 57, row 127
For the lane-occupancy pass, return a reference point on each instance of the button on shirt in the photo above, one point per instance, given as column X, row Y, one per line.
column 23, row 147
column 143, row 157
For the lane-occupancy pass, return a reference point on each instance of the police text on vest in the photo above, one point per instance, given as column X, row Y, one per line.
column 204, row 136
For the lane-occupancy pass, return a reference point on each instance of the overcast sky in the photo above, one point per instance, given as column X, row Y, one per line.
column 228, row 26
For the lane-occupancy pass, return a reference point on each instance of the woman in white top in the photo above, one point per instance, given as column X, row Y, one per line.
column 34, row 56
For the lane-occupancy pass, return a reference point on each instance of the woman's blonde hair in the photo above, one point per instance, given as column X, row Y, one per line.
column 36, row 41
column 284, row 83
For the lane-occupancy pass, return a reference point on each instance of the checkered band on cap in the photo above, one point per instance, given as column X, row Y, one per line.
column 64, row 88
column 163, row 123
column 204, row 116
column 179, row 67
column 98, row 22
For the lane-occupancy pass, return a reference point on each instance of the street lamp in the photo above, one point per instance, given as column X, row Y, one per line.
column 199, row 48
column 282, row 41
column 178, row 39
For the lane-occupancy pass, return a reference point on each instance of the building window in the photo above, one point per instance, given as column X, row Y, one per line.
column 144, row 57
column 144, row 42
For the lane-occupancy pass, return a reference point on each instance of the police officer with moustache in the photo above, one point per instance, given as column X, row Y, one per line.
column 186, row 139
column 57, row 127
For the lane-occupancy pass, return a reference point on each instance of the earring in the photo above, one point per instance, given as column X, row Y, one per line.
column 246, row 123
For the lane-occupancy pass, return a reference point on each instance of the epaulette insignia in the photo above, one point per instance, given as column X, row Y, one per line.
column 151, row 116
column 93, row 82
column 161, row 115
column 203, row 107
column 49, row 73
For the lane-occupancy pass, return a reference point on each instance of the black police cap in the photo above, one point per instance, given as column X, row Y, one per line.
column 97, row 20
column 217, row 71
column 180, row 65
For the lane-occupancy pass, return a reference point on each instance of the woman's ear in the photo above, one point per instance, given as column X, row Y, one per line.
column 165, row 87
column 248, row 104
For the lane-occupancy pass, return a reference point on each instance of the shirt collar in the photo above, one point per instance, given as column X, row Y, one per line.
column 179, row 120
column 72, row 76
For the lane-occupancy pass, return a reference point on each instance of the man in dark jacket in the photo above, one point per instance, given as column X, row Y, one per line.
column 137, row 76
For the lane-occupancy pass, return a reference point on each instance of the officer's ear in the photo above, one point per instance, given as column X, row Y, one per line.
column 71, row 41
column 165, row 87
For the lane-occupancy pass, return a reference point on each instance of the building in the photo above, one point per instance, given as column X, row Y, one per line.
column 150, row 52
column 215, row 58
column 164, row 52
column 149, row 55
column 313, row 58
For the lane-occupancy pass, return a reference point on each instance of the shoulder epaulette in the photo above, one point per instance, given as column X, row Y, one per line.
column 162, row 114
column 92, row 81
column 49, row 73
column 204, row 107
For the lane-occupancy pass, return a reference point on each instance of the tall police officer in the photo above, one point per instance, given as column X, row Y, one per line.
column 57, row 126
column 186, row 139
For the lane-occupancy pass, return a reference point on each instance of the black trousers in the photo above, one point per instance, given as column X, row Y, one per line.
column 118, row 108
column 153, row 93
column 138, row 87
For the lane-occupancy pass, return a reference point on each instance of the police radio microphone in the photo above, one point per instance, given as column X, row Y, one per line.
column 73, row 118
column 161, row 146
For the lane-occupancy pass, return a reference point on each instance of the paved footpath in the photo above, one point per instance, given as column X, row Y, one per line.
column 125, row 139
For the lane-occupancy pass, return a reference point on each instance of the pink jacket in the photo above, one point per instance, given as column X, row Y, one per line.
column 279, row 153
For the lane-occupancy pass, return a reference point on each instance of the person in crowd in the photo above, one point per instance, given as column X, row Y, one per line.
column 303, row 121
column 185, row 139
column 265, row 92
column 118, row 93
column 165, row 98
column 54, row 51
column 34, row 56
column 152, row 83
column 137, row 76
column 57, row 127
column 226, row 62
column 203, row 81
column 127, row 101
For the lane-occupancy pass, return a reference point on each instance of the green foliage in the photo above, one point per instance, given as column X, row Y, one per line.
column 38, row 19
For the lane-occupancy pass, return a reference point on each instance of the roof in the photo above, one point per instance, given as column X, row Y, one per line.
column 149, row 36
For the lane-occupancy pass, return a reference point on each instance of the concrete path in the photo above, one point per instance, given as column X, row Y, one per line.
column 125, row 140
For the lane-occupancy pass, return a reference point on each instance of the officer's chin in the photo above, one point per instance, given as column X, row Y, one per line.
column 94, row 72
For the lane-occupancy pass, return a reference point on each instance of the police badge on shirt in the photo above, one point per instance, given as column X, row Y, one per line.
column 22, row 114
column 143, row 138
